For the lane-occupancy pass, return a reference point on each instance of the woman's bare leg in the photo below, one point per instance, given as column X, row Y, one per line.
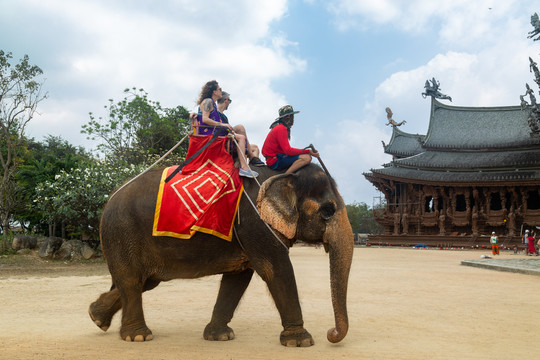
column 241, row 140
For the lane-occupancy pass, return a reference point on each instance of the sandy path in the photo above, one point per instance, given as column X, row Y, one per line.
column 403, row 304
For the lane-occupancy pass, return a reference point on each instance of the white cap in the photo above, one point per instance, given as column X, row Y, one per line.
column 526, row 230
column 493, row 233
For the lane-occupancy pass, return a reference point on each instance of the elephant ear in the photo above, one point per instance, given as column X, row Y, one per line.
column 277, row 204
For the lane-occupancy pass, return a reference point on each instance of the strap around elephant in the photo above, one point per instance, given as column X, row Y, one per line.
column 217, row 133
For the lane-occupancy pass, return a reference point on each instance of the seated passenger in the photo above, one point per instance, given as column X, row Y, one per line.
column 208, row 116
column 276, row 148
column 252, row 149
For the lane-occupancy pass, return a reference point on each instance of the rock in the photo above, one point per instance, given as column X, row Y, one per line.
column 69, row 250
column 49, row 247
column 40, row 241
column 87, row 252
column 24, row 242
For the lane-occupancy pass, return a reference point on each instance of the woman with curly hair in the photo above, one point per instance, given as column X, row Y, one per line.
column 210, row 121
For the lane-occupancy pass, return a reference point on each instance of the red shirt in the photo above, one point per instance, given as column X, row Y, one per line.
column 277, row 142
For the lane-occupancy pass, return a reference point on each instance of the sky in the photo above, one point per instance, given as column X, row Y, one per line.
column 339, row 62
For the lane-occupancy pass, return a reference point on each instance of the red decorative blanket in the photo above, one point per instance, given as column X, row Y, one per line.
column 203, row 197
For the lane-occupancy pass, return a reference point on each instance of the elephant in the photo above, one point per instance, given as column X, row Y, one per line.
column 302, row 206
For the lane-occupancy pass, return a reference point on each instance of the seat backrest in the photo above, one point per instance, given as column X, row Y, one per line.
column 195, row 131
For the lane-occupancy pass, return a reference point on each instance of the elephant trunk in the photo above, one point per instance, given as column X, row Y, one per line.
column 340, row 243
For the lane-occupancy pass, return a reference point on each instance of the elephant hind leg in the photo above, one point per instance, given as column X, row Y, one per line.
column 133, row 326
column 103, row 309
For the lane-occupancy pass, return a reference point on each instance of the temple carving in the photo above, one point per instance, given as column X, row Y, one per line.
column 476, row 170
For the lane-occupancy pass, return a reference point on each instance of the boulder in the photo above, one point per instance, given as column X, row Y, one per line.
column 24, row 242
column 40, row 241
column 49, row 247
column 69, row 250
column 87, row 252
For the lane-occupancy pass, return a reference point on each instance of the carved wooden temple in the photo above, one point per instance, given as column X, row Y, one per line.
column 477, row 170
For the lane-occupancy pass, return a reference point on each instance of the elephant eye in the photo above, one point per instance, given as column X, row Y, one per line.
column 327, row 210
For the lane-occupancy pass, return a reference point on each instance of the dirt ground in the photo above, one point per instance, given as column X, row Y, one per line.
column 403, row 304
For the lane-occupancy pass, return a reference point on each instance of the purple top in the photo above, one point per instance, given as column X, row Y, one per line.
column 214, row 115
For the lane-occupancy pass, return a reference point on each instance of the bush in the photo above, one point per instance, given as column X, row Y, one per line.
column 77, row 197
column 5, row 244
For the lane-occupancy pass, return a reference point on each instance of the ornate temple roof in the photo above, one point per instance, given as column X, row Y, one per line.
column 404, row 144
column 466, row 145
column 481, row 178
column 476, row 128
column 471, row 161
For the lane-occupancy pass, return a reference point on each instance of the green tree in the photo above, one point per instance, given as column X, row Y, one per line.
column 361, row 219
column 20, row 94
column 137, row 127
column 41, row 162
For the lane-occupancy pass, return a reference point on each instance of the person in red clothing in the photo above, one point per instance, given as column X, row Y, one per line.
column 276, row 148
column 532, row 249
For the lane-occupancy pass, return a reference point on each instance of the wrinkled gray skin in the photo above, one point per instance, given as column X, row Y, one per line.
column 302, row 206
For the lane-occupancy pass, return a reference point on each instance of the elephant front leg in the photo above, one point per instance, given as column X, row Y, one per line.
column 231, row 291
column 282, row 286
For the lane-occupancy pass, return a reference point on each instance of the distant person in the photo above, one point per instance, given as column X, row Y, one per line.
column 210, row 121
column 252, row 149
column 531, row 248
column 526, row 242
column 494, row 244
column 276, row 148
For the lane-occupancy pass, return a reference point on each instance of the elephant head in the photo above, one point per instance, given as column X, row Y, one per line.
column 307, row 206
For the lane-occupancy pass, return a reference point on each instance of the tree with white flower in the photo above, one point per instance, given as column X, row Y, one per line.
column 76, row 199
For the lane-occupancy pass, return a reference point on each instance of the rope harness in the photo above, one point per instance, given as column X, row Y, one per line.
column 151, row 166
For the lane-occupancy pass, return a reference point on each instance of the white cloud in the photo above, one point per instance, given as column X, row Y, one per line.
column 91, row 50
column 352, row 149
column 360, row 14
column 460, row 19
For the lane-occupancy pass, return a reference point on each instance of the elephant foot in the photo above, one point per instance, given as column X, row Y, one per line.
column 296, row 338
column 218, row 333
column 137, row 335
column 100, row 317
